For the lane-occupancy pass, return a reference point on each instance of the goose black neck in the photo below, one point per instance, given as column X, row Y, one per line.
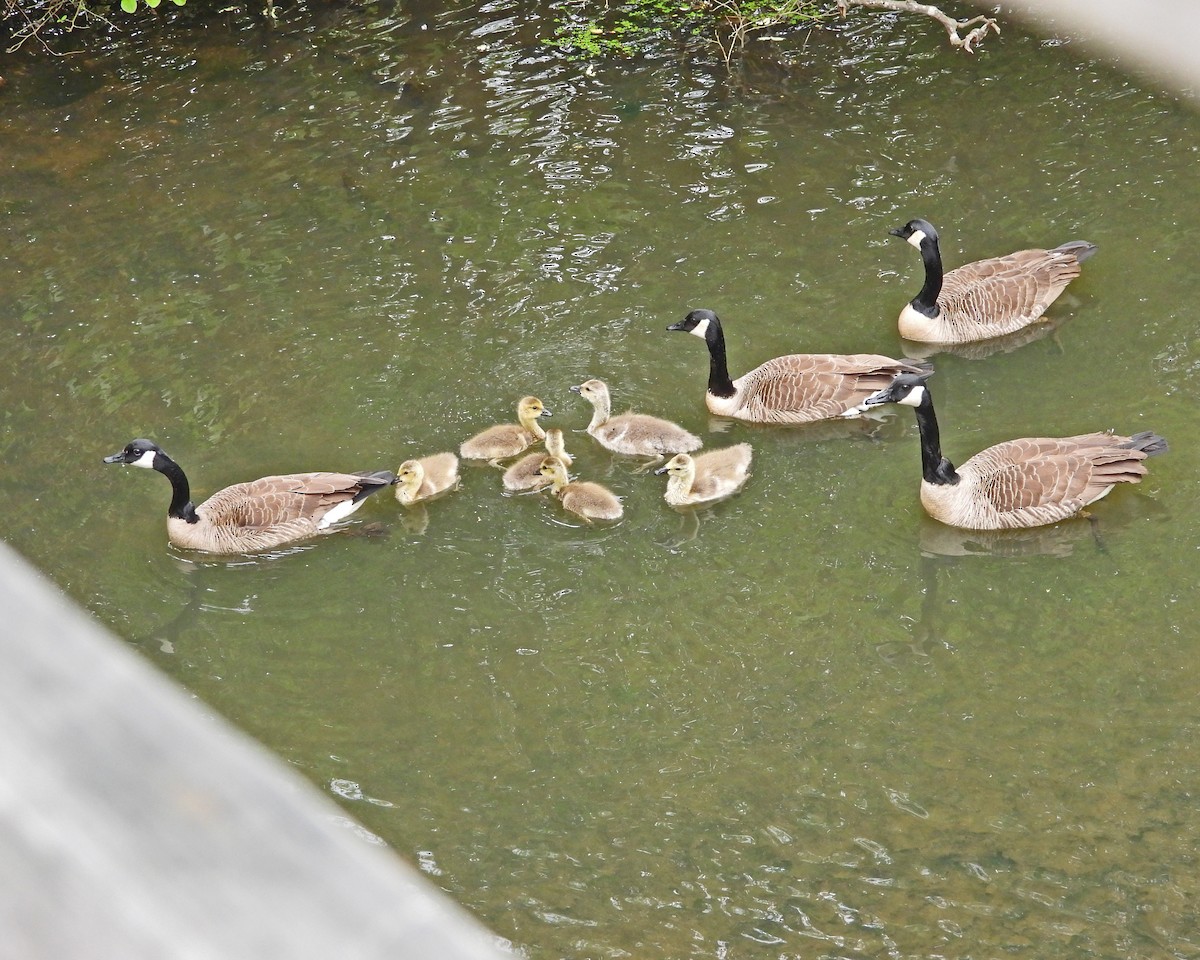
column 934, row 467
column 925, row 302
column 181, row 507
column 719, row 384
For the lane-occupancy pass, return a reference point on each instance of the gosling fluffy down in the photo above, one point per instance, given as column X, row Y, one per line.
column 707, row 476
column 588, row 500
column 426, row 478
column 526, row 474
column 508, row 439
column 638, row 434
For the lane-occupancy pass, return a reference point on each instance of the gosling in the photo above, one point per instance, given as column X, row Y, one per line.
column 707, row 476
column 588, row 500
column 426, row 478
column 508, row 439
column 526, row 473
column 637, row 434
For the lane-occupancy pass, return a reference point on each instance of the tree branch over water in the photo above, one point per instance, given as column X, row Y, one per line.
column 985, row 26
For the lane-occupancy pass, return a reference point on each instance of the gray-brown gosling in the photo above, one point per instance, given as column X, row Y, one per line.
column 426, row 478
column 526, row 473
column 1018, row 483
column 257, row 515
column 584, row 498
column 707, row 476
column 797, row 388
column 508, row 439
column 987, row 298
column 637, row 434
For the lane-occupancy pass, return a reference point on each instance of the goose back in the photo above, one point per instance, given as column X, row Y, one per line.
column 271, row 511
column 806, row 387
column 1038, row 480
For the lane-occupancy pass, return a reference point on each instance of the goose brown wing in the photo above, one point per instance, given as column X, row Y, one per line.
column 1053, row 477
column 271, row 501
column 996, row 296
column 803, row 387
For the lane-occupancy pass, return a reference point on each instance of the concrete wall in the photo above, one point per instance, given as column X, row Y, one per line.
column 136, row 826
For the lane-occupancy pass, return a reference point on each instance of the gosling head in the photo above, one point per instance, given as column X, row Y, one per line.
column 553, row 468
column 410, row 471
column 532, row 408
column 677, row 466
column 591, row 390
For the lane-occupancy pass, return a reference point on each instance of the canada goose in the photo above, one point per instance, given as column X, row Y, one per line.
column 423, row 479
column 589, row 500
column 257, row 515
column 987, row 298
column 1018, row 483
column 526, row 473
column 798, row 388
column 638, row 434
column 508, row 439
column 707, row 476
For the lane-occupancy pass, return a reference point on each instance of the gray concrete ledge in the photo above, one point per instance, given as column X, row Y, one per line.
column 135, row 825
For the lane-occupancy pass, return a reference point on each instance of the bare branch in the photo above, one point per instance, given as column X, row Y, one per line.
column 985, row 26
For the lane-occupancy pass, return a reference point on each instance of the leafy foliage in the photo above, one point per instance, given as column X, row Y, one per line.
column 625, row 28
column 33, row 18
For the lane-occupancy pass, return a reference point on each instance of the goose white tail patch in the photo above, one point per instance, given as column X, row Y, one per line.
column 700, row 329
column 917, row 238
column 340, row 512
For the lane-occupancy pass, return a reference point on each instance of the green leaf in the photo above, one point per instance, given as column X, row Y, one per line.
column 129, row 5
column 153, row 3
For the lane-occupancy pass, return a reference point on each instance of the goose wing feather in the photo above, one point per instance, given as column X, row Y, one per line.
column 990, row 298
column 1051, row 478
column 803, row 387
column 272, row 501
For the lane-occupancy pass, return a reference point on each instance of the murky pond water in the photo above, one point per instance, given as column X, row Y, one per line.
column 822, row 726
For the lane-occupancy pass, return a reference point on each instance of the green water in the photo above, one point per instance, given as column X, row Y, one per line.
column 824, row 725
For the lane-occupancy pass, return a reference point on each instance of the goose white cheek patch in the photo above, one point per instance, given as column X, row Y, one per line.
column 917, row 238
column 914, row 398
column 145, row 460
column 700, row 330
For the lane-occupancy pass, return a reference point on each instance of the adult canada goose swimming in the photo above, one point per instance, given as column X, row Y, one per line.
column 508, row 439
column 706, row 476
column 637, row 434
column 1018, row 483
column 987, row 298
column 798, row 388
column 526, row 473
column 423, row 479
column 589, row 500
column 257, row 515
